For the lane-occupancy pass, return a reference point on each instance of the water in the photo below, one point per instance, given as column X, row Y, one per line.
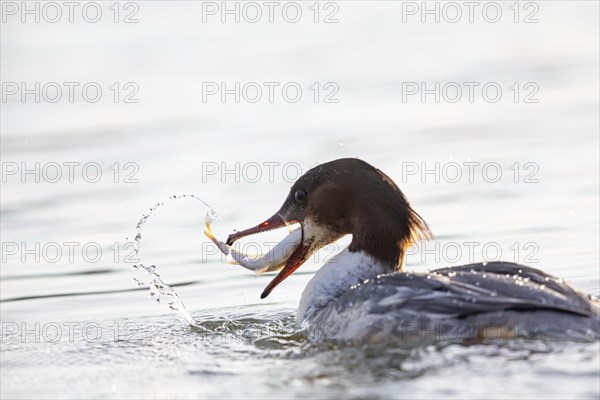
column 80, row 326
column 158, row 288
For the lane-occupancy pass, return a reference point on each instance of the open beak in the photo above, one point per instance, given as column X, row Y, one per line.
column 276, row 221
column 297, row 258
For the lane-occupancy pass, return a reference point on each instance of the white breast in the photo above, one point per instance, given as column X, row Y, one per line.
column 337, row 276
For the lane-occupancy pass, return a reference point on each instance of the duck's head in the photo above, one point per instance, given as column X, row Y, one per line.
column 345, row 196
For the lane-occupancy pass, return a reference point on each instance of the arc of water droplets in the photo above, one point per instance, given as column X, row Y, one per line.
column 156, row 285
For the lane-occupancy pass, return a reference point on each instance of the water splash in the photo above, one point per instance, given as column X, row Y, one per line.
column 158, row 288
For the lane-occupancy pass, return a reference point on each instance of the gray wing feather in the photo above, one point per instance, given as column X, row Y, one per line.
column 470, row 289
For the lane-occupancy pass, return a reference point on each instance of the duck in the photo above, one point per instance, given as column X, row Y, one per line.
column 364, row 294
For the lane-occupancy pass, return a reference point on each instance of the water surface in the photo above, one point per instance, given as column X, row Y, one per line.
column 81, row 327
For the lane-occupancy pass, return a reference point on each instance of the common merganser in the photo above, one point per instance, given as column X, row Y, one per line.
column 363, row 294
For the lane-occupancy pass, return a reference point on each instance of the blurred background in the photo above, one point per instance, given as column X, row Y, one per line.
column 487, row 117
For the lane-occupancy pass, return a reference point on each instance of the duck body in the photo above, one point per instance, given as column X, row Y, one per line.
column 475, row 302
column 363, row 294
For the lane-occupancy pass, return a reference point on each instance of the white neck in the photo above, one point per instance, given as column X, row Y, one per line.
column 334, row 278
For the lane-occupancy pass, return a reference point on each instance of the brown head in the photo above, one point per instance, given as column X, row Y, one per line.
column 346, row 196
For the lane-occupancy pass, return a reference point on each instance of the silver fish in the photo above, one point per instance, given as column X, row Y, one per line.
column 274, row 260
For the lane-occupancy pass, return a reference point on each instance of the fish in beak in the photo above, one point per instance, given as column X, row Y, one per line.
column 301, row 253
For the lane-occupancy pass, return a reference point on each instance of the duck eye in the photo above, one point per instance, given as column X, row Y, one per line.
column 300, row 195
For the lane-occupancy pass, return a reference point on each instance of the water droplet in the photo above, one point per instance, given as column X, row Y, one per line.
column 157, row 287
